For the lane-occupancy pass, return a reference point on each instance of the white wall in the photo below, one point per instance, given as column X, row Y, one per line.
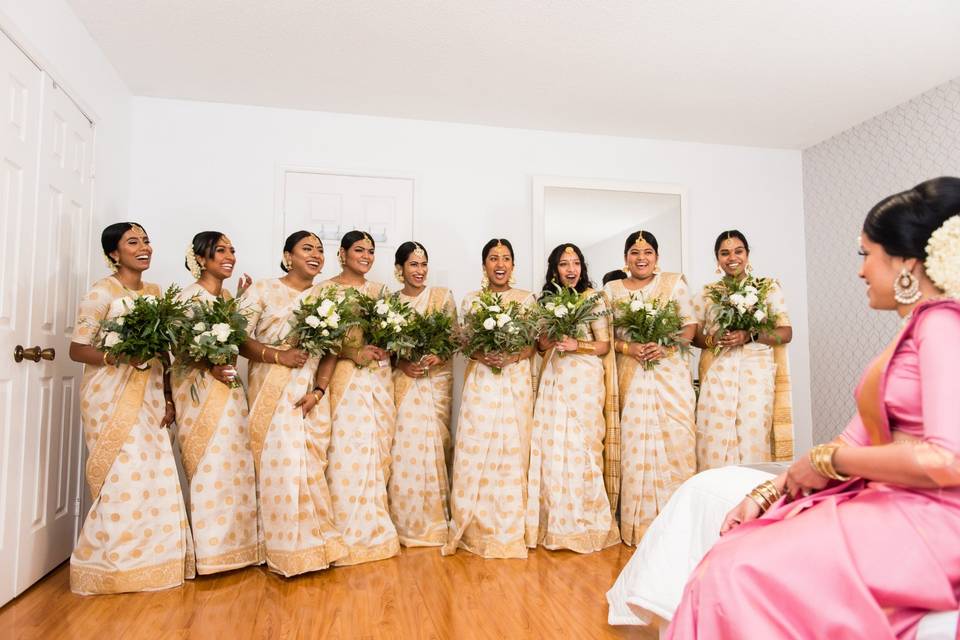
column 213, row 166
column 54, row 36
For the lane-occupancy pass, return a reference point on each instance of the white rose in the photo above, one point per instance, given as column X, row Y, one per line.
column 383, row 324
column 382, row 308
column 648, row 308
column 560, row 312
column 489, row 324
column 503, row 319
column 751, row 299
column 397, row 328
column 636, row 305
column 222, row 331
column 333, row 321
column 120, row 307
column 112, row 339
column 199, row 327
column 312, row 321
column 325, row 307
column 550, row 306
column 759, row 315
column 324, row 333
column 736, row 299
column 150, row 299
column 494, row 308
column 751, row 289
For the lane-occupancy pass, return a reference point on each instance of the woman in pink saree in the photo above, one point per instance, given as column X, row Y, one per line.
column 861, row 538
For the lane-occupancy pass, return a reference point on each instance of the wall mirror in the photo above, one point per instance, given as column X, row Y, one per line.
column 598, row 215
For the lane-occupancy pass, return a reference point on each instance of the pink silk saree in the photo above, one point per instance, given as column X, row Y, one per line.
column 860, row 559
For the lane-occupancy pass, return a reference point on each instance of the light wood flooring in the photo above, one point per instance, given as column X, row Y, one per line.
column 416, row 595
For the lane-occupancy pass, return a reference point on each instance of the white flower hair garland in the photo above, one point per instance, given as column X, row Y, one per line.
column 192, row 263
column 943, row 257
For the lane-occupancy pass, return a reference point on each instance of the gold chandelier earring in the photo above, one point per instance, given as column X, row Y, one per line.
column 484, row 279
column 342, row 259
column 749, row 268
column 513, row 279
column 906, row 288
column 110, row 263
column 626, row 270
column 719, row 270
column 398, row 274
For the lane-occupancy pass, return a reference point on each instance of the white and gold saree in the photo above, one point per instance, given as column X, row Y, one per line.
column 289, row 450
column 657, row 420
column 136, row 536
column 215, row 452
column 418, row 489
column 364, row 415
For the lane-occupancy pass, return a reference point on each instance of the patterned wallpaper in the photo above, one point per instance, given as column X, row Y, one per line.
column 842, row 178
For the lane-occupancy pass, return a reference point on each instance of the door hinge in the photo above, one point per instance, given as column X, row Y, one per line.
column 76, row 506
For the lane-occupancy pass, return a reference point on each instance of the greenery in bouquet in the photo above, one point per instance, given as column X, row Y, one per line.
column 434, row 335
column 321, row 322
column 388, row 323
column 742, row 305
column 494, row 326
column 138, row 329
column 651, row 321
column 566, row 313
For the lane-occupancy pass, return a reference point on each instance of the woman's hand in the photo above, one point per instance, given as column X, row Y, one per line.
column 243, row 284
column 293, row 358
column 309, row 401
column 545, row 344
column 567, row 344
column 430, row 361
column 803, row 479
column 730, row 339
column 368, row 353
column 412, row 369
column 651, row 352
column 744, row 512
column 224, row 373
column 169, row 414
column 496, row 360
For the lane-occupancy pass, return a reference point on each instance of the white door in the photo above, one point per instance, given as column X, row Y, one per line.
column 330, row 205
column 50, row 504
column 20, row 87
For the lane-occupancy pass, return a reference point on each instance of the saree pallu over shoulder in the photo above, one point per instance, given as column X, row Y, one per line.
column 418, row 489
column 363, row 422
column 289, row 449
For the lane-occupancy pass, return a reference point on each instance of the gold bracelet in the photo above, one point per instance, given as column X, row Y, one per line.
column 821, row 459
column 263, row 357
column 276, row 356
column 586, row 347
column 105, row 354
column 710, row 341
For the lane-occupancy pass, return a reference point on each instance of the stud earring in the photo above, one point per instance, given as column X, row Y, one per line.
column 398, row 274
column 906, row 288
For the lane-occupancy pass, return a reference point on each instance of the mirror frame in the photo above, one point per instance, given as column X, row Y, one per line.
column 541, row 183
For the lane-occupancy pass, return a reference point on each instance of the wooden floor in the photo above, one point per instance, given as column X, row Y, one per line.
column 417, row 595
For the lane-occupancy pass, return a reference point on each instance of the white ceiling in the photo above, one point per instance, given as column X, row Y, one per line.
column 778, row 73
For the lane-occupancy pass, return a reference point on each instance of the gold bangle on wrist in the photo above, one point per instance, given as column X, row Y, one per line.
column 586, row 347
column 276, row 357
column 709, row 341
column 263, row 354
column 105, row 354
column 821, row 459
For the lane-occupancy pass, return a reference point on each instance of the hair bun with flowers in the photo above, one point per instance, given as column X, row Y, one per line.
column 943, row 257
column 191, row 261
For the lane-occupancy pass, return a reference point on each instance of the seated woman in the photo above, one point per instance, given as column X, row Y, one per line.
column 808, row 553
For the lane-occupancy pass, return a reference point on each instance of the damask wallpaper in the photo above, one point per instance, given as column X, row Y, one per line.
column 842, row 178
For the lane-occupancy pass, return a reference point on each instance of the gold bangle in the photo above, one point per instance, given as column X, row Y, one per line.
column 586, row 347
column 105, row 354
column 821, row 459
column 263, row 357
column 710, row 341
column 276, row 356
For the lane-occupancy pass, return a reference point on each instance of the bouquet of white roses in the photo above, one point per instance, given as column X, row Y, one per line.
column 213, row 335
column 387, row 323
column 566, row 313
column 742, row 305
column 320, row 322
column 141, row 328
column 647, row 321
column 494, row 326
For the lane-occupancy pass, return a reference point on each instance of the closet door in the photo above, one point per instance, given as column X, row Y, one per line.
column 20, row 115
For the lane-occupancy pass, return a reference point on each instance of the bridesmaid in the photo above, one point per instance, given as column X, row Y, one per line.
column 567, row 502
column 212, row 431
column 362, row 405
column 657, row 406
column 418, row 488
column 488, row 500
column 289, row 419
column 743, row 413
column 136, row 536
